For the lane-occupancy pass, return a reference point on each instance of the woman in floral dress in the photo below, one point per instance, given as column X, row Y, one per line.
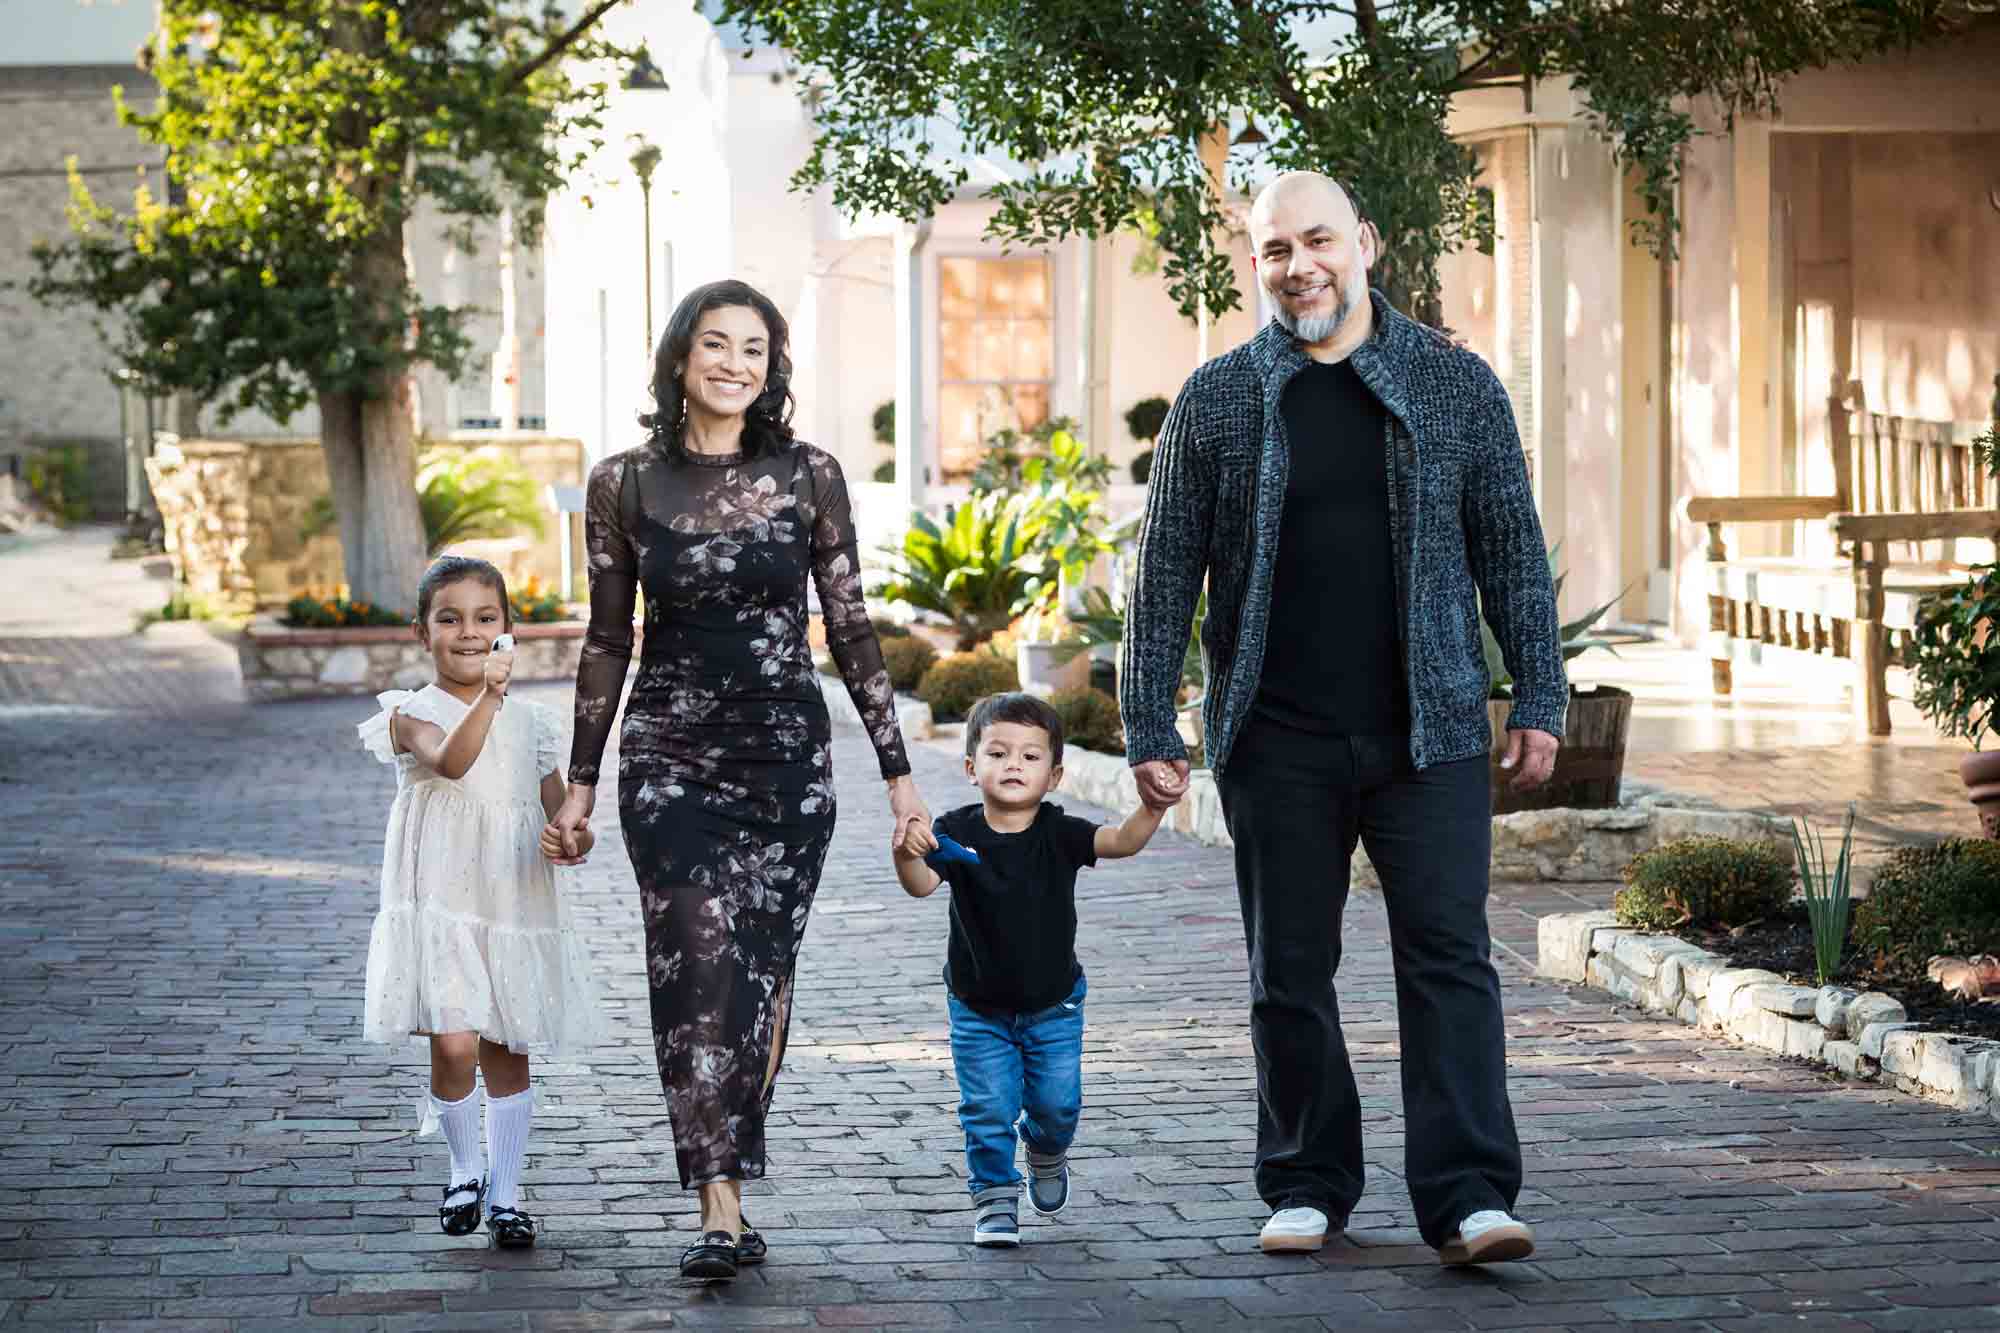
column 725, row 777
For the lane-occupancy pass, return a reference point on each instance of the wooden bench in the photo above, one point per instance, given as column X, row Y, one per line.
column 1905, row 491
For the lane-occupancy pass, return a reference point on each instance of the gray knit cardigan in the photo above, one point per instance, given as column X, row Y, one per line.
column 1461, row 516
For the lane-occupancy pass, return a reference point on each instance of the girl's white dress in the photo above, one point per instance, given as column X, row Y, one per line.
column 473, row 934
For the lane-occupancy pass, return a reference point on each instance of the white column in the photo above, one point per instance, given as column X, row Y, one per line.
column 912, row 457
column 1547, row 168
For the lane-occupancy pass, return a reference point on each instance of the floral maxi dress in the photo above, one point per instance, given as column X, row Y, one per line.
column 725, row 777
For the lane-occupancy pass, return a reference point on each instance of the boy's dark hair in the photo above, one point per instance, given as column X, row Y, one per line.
column 1021, row 709
column 449, row 569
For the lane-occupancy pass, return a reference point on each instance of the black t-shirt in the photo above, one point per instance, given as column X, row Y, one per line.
column 1333, row 659
column 1013, row 916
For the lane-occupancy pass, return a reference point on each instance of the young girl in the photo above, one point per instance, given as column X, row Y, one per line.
column 473, row 946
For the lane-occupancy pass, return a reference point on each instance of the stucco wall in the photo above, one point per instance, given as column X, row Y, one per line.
column 54, row 380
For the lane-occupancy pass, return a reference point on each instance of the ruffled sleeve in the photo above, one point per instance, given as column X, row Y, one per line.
column 375, row 731
column 551, row 740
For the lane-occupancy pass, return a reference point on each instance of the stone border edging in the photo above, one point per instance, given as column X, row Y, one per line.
column 1861, row 1034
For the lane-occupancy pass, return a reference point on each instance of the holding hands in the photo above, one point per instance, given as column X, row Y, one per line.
column 1162, row 782
column 567, row 846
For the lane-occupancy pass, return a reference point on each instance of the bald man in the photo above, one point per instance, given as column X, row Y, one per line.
column 1345, row 483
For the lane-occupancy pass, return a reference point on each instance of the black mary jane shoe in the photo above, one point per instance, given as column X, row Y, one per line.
column 462, row 1219
column 511, row 1229
column 750, row 1246
column 710, row 1259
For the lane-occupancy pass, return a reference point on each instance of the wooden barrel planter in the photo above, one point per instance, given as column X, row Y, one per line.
column 1590, row 766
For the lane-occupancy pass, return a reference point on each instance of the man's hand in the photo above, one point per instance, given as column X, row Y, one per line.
column 1531, row 755
column 1162, row 782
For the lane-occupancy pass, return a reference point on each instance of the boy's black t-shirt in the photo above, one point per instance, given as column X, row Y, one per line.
column 1013, row 916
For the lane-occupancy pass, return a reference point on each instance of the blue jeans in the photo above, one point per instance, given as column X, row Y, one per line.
column 1024, row 1069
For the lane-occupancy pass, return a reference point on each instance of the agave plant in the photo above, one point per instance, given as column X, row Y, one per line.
column 1576, row 635
column 461, row 495
column 980, row 568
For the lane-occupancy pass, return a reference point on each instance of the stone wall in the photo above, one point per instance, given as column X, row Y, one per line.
column 234, row 509
column 280, row 663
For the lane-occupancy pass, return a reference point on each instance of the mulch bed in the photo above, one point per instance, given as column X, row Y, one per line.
column 1783, row 944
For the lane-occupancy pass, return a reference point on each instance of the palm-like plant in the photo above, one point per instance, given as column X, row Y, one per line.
column 980, row 568
column 461, row 495
column 483, row 493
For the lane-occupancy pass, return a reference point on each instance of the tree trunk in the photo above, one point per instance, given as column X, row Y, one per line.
column 371, row 459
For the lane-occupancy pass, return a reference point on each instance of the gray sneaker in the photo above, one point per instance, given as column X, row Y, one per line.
column 1048, row 1182
column 998, row 1223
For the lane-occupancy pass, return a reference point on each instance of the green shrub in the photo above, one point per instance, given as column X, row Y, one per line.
column 1931, row 900
column 60, row 478
column 1142, row 467
column 885, row 471
column 1090, row 719
column 886, row 628
column 1705, row 882
column 956, row 682
column 907, row 658
column 883, row 422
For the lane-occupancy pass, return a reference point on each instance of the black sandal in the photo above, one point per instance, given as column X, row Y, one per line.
column 750, row 1246
column 710, row 1259
column 511, row 1228
column 462, row 1219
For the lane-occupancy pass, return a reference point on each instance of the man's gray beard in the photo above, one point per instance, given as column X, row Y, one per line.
column 1313, row 329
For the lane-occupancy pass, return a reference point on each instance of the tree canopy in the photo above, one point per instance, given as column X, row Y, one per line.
column 1108, row 106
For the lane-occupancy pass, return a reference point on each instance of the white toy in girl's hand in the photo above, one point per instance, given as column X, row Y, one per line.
column 504, row 644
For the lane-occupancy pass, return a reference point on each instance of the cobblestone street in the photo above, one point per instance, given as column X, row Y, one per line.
column 195, row 1136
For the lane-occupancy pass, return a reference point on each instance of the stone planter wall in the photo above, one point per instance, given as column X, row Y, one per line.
column 232, row 510
column 1863, row 1035
column 1586, row 846
column 281, row 663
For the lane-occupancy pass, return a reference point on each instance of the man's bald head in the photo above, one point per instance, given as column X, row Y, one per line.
column 1311, row 190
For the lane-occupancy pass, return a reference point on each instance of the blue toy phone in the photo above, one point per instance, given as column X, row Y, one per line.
column 949, row 850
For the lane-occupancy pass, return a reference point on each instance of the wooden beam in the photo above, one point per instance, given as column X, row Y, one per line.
column 1757, row 508
column 1942, row 526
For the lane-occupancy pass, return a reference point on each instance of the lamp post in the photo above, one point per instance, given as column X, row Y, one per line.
column 644, row 159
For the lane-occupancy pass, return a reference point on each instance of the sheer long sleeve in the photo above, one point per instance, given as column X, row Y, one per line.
column 607, row 644
column 836, row 567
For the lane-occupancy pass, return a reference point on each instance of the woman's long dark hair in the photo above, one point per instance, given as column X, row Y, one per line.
column 767, row 423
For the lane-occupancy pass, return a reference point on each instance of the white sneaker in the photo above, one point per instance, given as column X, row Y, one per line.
column 1293, row 1231
column 1488, row 1237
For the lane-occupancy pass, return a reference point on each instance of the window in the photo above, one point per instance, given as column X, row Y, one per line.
column 996, row 343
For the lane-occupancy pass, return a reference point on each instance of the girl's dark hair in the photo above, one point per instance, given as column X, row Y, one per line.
column 767, row 423
column 449, row 569
column 1021, row 709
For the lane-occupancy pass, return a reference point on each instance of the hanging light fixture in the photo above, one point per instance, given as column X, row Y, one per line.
column 1249, row 135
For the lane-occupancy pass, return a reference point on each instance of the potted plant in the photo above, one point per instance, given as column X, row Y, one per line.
column 1955, row 666
column 1590, row 765
column 1049, row 652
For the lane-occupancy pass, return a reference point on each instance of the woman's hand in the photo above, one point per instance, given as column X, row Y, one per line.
column 574, row 815
column 907, row 805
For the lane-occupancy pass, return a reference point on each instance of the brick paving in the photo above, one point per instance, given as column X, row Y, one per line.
column 192, row 1134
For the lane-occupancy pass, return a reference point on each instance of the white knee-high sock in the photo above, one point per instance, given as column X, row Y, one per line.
column 508, row 1120
column 461, row 1134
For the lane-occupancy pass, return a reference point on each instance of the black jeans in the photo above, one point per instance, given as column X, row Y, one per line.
column 1296, row 803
